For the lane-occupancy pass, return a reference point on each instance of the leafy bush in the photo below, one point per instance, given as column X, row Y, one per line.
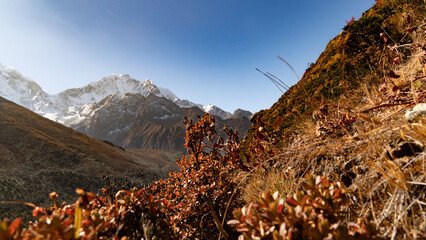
column 204, row 189
column 193, row 203
column 317, row 211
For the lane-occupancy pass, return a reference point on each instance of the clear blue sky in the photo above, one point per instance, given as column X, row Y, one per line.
column 205, row 51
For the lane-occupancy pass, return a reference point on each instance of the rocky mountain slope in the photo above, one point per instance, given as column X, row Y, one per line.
column 39, row 156
column 117, row 108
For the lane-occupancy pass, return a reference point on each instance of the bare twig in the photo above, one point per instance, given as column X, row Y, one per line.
column 18, row 203
column 386, row 105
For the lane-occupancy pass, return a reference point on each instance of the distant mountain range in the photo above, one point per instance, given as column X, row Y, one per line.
column 117, row 108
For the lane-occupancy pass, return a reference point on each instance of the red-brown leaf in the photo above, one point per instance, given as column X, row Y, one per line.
column 395, row 89
column 392, row 74
column 336, row 193
column 292, row 202
column 411, row 29
column 280, row 208
column 14, row 225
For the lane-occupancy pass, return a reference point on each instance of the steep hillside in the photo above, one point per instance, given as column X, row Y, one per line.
column 39, row 156
column 351, row 61
column 154, row 129
column 357, row 117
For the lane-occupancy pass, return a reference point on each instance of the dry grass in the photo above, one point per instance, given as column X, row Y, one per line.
column 390, row 191
column 39, row 156
column 380, row 157
column 272, row 181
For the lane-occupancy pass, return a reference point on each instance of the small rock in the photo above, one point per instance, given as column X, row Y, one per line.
column 418, row 110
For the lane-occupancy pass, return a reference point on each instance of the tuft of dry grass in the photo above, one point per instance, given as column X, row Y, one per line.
column 271, row 181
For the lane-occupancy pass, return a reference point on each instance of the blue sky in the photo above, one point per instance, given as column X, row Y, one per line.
column 205, row 51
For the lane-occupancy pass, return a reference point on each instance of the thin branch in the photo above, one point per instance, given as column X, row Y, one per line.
column 216, row 220
column 385, row 105
column 19, row 203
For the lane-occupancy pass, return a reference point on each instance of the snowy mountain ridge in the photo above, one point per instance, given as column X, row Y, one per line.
column 20, row 89
column 72, row 106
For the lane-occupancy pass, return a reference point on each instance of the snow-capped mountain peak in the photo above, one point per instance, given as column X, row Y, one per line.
column 117, row 108
column 72, row 105
column 20, row 89
column 213, row 110
column 147, row 83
